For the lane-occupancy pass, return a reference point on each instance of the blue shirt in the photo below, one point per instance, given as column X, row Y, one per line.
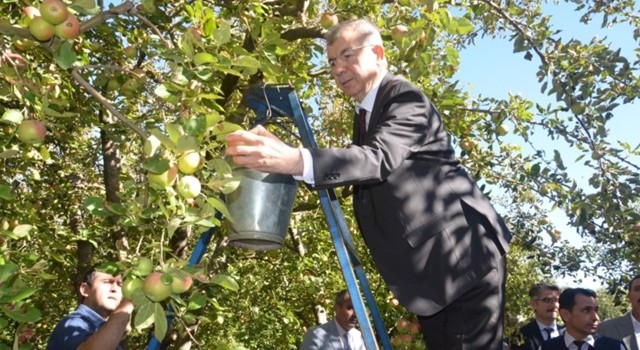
column 75, row 329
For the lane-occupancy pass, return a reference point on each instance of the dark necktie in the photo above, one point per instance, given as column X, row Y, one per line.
column 347, row 344
column 548, row 330
column 579, row 344
column 362, row 125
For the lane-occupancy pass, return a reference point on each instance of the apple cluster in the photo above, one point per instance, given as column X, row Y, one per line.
column 29, row 131
column 156, row 285
column 188, row 163
column 52, row 18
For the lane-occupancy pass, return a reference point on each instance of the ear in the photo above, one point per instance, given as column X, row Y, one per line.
column 85, row 289
column 565, row 315
column 379, row 51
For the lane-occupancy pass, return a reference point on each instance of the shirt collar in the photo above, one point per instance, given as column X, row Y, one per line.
column 568, row 339
column 370, row 98
column 635, row 323
column 341, row 331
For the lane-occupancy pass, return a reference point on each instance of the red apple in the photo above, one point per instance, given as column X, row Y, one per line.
column 31, row 131
column 54, row 11
column 41, row 29
column 156, row 287
column 328, row 20
column 69, row 29
column 31, row 12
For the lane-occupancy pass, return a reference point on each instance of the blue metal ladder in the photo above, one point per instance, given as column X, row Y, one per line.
column 281, row 101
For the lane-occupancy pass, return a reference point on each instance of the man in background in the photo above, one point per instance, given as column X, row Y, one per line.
column 626, row 328
column 544, row 302
column 100, row 321
column 579, row 312
column 339, row 333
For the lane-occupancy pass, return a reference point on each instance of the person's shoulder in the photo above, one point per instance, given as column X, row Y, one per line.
column 612, row 322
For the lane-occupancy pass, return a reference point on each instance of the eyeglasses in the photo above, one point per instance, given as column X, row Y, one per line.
column 346, row 54
column 548, row 300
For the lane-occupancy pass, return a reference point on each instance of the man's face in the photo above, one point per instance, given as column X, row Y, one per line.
column 345, row 315
column 104, row 294
column 545, row 306
column 354, row 67
column 583, row 320
column 634, row 298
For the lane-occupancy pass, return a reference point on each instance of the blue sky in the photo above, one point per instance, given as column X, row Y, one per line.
column 492, row 70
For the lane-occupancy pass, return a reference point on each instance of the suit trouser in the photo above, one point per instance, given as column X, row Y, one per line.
column 473, row 321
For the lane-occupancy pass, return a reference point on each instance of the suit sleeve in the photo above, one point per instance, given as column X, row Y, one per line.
column 312, row 340
column 400, row 129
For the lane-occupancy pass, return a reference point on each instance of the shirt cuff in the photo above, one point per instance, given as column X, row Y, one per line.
column 307, row 170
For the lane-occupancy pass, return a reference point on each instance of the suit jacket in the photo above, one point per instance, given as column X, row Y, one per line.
column 601, row 343
column 326, row 337
column 620, row 328
column 530, row 337
column 414, row 204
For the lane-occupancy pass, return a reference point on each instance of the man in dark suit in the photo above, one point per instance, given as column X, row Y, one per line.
column 627, row 327
column 435, row 238
column 339, row 333
column 579, row 312
column 544, row 302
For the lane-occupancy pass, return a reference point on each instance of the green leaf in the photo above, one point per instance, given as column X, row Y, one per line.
column 6, row 271
column 160, row 319
column 20, row 294
column 219, row 206
column 462, row 25
column 156, row 165
column 85, row 4
column 197, row 301
column 251, row 64
column 66, row 57
column 5, row 192
column 144, row 316
column 22, row 230
column 161, row 91
column 95, row 206
column 22, row 313
column 226, row 282
column 186, row 143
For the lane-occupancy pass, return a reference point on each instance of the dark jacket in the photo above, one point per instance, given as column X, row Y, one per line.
column 432, row 233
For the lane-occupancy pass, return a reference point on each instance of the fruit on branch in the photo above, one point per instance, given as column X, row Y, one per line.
column 31, row 12
column 157, row 286
column 502, row 130
column 54, row 11
column 143, row 267
column 69, row 29
column 578, row 108
column 41, row 29
column 181, row 281
column 189, row 186
column 189, row 162
column 468, row 145
column 398, row 32
column 328, row 20
column 164, row 179
column 130, row 51
column 31, row 131
column 130, row 285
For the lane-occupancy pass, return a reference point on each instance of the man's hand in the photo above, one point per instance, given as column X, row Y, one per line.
column 261, row 150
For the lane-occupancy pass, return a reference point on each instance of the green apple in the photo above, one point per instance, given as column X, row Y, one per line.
column 54, row 11
column 189, row 186
column 129, row 285
column 189, row 162
column 31, row 131
column 165, row 179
